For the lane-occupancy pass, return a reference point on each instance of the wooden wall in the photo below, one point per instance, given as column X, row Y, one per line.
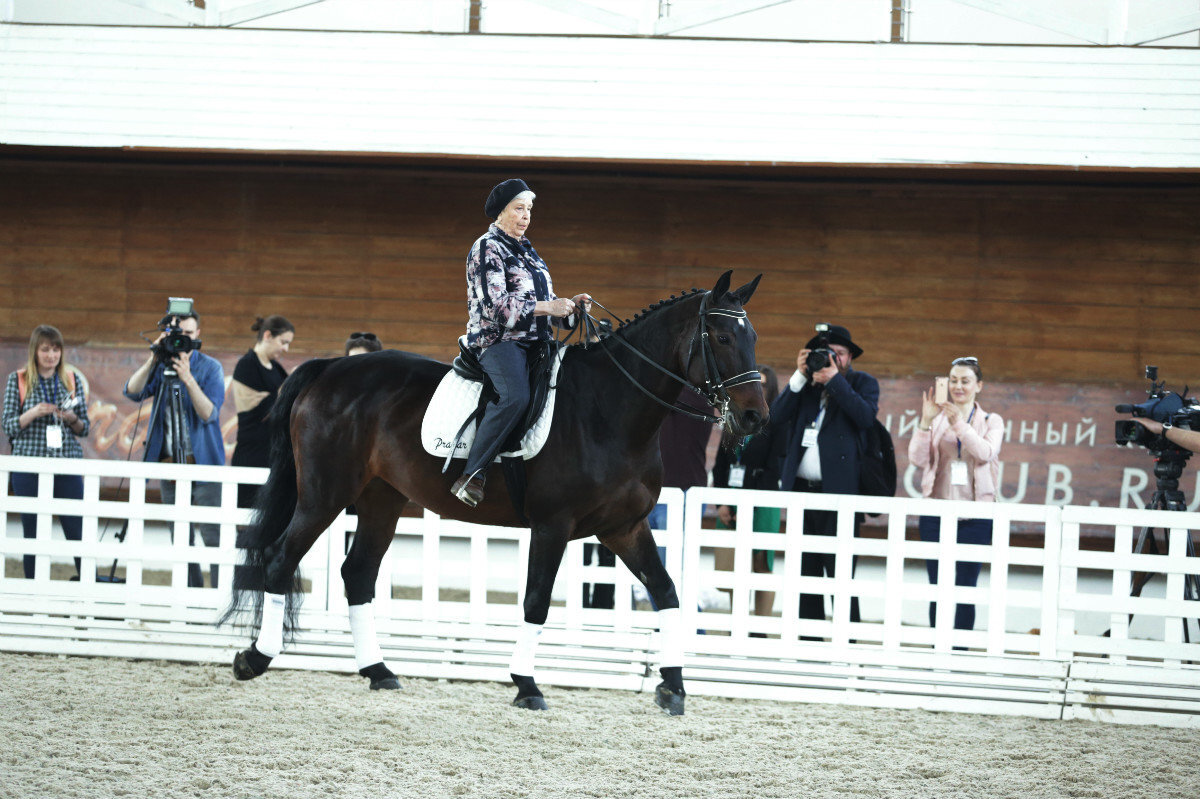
column 1044, row 281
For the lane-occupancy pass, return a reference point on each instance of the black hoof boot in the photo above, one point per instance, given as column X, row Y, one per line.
column 528, row 695
column 669, row 694
column 249, row 663
column 381, row 677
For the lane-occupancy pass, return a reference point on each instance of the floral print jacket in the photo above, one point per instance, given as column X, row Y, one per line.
column 505, row 279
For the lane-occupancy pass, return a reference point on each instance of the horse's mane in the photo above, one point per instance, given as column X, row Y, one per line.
column 625, row 324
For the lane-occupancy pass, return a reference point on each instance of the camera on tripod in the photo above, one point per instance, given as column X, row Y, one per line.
column 1162, row 406
column 821, row 355
column 175, row 342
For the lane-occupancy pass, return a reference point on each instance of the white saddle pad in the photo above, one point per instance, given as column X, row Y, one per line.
column 456, row 398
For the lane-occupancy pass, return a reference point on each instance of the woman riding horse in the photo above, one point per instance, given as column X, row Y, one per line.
column 511, row 303
column 348, row 430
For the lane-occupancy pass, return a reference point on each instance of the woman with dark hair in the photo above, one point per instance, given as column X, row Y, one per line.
column 256, row 381
column 957, row 446
column 45, row 415
column 510, row 305
column 362, row 343
column 752, row 462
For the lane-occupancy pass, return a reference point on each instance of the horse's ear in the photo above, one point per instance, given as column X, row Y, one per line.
column 722, row 286
column 744, row 294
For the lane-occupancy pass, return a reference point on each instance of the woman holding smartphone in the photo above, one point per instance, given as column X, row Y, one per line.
column 957, row 447
column 45, row 415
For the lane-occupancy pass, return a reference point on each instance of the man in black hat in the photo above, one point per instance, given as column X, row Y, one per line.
column 822, row 416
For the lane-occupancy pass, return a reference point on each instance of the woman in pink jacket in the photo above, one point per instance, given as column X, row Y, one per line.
column 957, row 447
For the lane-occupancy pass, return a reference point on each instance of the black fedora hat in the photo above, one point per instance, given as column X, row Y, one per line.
column 837, row 335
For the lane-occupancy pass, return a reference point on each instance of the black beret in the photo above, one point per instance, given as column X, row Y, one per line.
column 502, row 195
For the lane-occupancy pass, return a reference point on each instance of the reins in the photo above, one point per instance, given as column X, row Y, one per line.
column 715, row 395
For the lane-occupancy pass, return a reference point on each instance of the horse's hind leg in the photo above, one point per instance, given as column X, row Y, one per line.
column 378, row 508
column 546, row 547
column 638, row 551
column 302, row 531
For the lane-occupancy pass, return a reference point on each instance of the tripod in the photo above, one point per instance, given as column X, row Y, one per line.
column 1167, row 496
column 176, row 442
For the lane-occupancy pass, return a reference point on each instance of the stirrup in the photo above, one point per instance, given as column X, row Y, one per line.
column 469, row 488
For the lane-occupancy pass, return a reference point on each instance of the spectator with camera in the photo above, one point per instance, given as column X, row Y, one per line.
column 823, row 416
column 45, row 415
column 188, row 388
column 1184, row 439
column 957, row 447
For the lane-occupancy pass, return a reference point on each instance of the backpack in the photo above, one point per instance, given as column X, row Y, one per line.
column 876, row 462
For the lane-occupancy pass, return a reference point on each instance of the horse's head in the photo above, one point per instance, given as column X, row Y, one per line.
column 723, row 360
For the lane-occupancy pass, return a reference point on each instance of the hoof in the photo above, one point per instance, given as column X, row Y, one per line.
column 528, row 695
column 381, row 677
column 530, row 703
column 249, row 663
column 670, row 701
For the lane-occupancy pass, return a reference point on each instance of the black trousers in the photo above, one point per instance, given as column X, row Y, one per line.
column 820, row 564
column 505, row 363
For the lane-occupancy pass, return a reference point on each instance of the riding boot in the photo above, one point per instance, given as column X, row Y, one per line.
column 469, row 488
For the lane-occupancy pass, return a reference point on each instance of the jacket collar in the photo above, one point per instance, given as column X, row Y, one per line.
column 519, row 244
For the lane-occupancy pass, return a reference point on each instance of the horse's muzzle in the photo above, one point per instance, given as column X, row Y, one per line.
column 747, row 422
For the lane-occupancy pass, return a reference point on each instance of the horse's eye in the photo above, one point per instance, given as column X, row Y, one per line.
column 723, row 339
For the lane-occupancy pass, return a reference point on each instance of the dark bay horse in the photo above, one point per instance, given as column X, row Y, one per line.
column 347, row 430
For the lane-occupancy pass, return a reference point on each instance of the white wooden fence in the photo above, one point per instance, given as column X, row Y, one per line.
column 1053, row 634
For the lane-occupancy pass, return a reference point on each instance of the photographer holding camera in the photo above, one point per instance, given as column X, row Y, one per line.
column 1185, row 439
column 184, row 424
column 822, row 416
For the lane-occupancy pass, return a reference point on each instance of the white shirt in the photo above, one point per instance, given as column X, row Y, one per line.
column 810, row 464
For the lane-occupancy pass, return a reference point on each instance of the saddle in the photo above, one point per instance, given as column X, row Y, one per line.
column 458, row 403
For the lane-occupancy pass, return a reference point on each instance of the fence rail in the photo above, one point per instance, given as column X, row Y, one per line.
column 1057, row 633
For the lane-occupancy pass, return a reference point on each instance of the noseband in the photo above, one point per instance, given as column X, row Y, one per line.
column 715, row 391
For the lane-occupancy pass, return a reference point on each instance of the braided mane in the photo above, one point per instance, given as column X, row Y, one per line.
column 656, row 306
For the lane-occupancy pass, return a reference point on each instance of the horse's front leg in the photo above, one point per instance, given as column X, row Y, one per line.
column 546, row 547
column 639, row 552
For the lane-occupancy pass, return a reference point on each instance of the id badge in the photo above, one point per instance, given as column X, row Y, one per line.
column 54, row 437
column 958, row 473
column 737, row 476
column 810, row 437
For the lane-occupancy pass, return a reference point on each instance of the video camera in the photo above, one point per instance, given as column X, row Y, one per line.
column 1162, row 406
column 821, row 355
column 176, row 342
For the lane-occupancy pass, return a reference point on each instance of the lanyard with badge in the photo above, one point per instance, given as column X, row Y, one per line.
column 54, row 431
column 737, row 472
column 958, row 469
column 811, row 432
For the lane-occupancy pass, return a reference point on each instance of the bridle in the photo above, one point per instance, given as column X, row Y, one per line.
column 715, row 391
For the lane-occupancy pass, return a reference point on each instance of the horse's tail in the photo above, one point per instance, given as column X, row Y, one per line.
column 274, row 508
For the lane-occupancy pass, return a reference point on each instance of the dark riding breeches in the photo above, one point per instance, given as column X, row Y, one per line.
column 505, row 364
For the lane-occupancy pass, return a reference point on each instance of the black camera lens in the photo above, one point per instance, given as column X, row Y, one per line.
column 818, row 359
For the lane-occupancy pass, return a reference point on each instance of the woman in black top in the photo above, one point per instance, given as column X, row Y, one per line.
column 256, row 381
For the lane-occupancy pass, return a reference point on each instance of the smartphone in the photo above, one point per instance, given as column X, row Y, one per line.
column 941, row 390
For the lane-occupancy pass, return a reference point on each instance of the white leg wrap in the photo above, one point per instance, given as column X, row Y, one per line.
column 270, row 634
column 671, row 623
column 527, row 640
column 366, row 642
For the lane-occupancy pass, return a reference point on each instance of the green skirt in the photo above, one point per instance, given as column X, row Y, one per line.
column 766, row 520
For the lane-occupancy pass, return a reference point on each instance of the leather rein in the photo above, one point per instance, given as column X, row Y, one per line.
column 715, row 391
